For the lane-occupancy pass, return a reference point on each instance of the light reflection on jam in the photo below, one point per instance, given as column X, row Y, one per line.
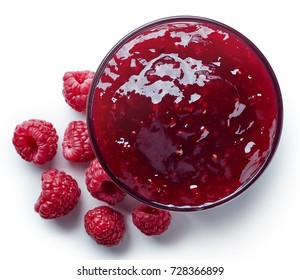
column 184, row 113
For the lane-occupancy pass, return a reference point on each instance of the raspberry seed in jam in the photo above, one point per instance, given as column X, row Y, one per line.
column 184, row 113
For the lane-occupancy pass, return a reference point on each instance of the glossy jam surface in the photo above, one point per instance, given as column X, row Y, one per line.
column 183, row 114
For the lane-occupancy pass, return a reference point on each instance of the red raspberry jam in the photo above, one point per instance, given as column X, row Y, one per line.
column 184, row 113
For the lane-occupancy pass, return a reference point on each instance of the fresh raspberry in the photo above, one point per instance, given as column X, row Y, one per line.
column 35, row 141
column 101, row 186
column 151, row 221
column 105, row 225
column 76, row 85
column 60, row 194
column 76, row 144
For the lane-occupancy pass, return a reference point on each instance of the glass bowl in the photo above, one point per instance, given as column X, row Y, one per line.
column 184, row 113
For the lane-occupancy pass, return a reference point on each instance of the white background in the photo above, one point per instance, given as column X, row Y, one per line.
column 40, row 41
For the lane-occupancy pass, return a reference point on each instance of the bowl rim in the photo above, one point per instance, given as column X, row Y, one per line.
column 247, row 183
